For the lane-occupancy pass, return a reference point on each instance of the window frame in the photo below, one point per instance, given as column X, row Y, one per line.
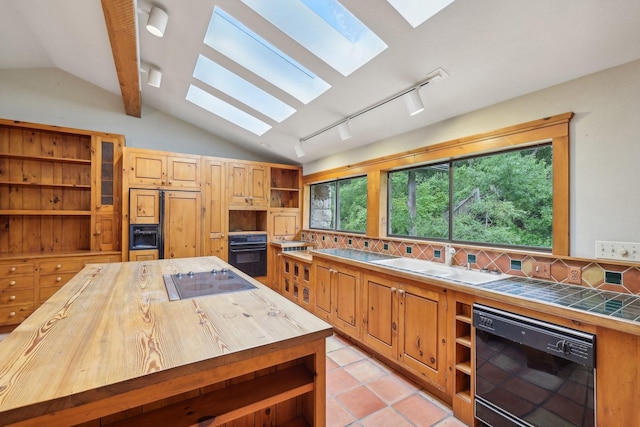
column 336, row 206
column 450, row 191
column 553, row 128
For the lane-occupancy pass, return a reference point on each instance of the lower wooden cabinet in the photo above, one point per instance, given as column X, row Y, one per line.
column 27, row 283
column 407, row 323
column 337, row 296
column 295, row 280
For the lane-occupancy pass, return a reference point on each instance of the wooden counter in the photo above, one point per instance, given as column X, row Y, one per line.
column 110, row 341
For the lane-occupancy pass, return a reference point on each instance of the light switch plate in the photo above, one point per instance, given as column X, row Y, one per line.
column 621, row 251
column 542, row 270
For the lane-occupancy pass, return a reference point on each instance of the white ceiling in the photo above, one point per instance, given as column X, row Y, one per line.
column 493, row 50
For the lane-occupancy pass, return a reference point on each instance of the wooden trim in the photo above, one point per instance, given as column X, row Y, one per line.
column 53, row 128
column 554, row 128
column 120, row 17
column 513, row 135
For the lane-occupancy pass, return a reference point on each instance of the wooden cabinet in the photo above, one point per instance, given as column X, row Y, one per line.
column 407, row 322
column 422, row 343
column 295, row 280
column 337, row 296
column 161, row 169
column 27, row 283
column 284, row 224
column 215, row 212
column 285, row 187
column 248, row 185
column 144, row 206
column 183, row 216
column 462, row 359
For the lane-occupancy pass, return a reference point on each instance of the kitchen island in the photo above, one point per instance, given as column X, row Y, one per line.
column 110, row 348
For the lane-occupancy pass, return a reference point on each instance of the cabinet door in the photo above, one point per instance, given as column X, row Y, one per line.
column 423, row 332
column 323, row 275
column 144, row 206
column 259, row 188
column 238, row 177
column 145, row 255
column 181, row 228
column 346, row 284
column 380, row 325
column 183, row 172
column 214, row 208
column 147, row 169
column 284, row 225
column 106, row 232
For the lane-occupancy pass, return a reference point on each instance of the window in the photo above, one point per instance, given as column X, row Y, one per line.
column 503, row 198
column 339, row 205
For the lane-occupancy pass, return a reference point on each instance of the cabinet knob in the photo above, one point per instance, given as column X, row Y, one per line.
column 393, row 290
column 12, row 298
column 98, row 232
column 12, row 283
column 401, row 292
column 12, row 314
column 58, row 267
column 12, row 269
column 58, row 279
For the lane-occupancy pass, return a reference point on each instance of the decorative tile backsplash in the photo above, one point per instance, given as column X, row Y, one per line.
column 590, row 273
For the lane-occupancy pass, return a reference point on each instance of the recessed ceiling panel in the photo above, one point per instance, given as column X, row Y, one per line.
column 237, row 42
column 418, row 11
column 325, row 28
column 235, row 86
column 225, row 110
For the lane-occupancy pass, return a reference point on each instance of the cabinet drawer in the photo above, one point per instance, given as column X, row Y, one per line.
column 55, row 279
column 47, row 292
column 100, row 259
column 16, row 297
column 16, row 282
column 16, row 269
column 59, row 266
column 15, row 314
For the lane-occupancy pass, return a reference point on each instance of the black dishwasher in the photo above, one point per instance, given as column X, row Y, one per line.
column 532, row 373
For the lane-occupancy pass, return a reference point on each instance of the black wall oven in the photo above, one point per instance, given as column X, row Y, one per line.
column 532, row 373
column 248, row 253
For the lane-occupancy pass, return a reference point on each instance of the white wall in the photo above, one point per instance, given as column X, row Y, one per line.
column 54, row 97
column 605, row 149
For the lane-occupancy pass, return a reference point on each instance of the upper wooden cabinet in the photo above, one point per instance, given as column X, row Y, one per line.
column 215, row 204
column 248, row 185
column 159, row 169
column 285, row 187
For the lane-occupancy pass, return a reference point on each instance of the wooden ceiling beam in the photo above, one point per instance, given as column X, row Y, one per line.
column 120, row 17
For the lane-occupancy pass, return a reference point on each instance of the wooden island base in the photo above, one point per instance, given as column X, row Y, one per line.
column 110, row 349
column 279, row 388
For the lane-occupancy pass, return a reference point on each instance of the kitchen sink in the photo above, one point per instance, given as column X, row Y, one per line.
column 191, row 285
column 429, row 268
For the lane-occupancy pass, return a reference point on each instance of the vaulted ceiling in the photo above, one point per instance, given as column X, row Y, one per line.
column 491, row 50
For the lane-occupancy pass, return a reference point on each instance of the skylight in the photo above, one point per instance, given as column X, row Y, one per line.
column 225, row 110
column 237, row 42
column 418, row 11
column 325, row 28
column 235, row 86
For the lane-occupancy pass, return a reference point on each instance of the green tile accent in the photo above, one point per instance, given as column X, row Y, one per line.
column 437, row 253
column 366, row 243
column 409, row 250
column 613, row 277
column 385, row 246
column 471, row 258
column 516, row 264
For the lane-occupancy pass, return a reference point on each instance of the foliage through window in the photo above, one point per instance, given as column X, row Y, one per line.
column 339, row 205
column 502, row 198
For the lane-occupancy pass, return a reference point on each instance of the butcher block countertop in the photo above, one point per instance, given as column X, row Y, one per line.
column 111, row 331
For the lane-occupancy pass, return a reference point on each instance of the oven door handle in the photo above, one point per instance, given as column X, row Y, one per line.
column 248, row 250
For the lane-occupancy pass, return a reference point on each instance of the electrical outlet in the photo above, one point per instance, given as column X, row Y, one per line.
column 542, row 270
column 574, row 275
column 621, row 251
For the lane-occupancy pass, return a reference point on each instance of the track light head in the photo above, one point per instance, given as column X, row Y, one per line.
column 414, row 102
column 299, row 150
column 344, row 130
column 157, row 22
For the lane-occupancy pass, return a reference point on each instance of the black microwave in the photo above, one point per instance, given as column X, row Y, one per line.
column 144, row 236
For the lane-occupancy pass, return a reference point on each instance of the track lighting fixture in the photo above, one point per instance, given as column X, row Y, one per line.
column 154, row 75
column 411, row 96
column 344, row 130
column 299, row 150
column 157, row 22
column 414, row 102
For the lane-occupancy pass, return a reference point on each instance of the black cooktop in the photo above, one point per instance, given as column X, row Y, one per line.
column 191, row 284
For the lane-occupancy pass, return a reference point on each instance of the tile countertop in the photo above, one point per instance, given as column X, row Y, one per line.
column 615, row 308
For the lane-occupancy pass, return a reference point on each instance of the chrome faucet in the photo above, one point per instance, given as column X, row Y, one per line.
column 449, row 252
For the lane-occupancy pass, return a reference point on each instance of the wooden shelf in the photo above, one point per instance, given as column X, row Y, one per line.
column 46, row 158
column 40, row 184
column 464, row 394
column 464, row 367
column 230, row 403
column 45, row 212
column 465, row 341
column 463, row 318
column 284, row 189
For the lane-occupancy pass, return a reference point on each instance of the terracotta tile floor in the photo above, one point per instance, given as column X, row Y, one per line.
column 362, row 391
